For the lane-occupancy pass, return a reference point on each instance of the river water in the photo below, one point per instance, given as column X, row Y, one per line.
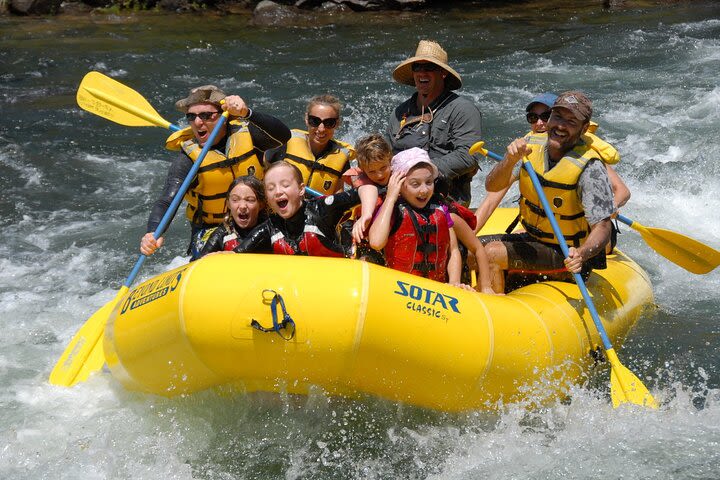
column 75, row 191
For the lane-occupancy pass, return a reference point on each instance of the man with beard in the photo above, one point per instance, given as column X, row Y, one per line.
column 436, row 119
column 576, row 183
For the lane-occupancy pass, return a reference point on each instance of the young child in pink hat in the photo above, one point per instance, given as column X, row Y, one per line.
column 416, row 230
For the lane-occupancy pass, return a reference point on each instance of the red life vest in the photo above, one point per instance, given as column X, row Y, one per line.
column 420, row 245
column 309, row 244
column 464, row 213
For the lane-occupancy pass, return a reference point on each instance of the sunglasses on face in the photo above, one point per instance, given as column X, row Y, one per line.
column 315, row 122
column 534, row 117
column 204, row 116
column 424, row 67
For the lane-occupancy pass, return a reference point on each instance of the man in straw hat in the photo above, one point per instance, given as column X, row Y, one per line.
column 238, row 150
column 576, row 184
column 435, row 118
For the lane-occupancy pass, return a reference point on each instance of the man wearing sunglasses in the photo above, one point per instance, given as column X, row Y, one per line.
column 576, row 183
column 435, row 118
column 238, row 150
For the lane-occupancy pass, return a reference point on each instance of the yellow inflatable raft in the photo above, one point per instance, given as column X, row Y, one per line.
column 363, row 328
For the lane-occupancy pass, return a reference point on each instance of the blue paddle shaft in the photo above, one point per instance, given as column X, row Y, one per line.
column 625, row 220
column 313, row 192
column 494, row 156
column 170, row 212
column 563, row 246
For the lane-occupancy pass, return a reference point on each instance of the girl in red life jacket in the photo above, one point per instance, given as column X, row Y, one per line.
column 415, row 231
column 245, row 207
column 297, row 226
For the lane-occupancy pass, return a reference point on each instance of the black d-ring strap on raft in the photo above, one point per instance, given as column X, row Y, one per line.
column 287, row 324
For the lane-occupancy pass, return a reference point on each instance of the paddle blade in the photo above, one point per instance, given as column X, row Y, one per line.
column 625, row 387
column 84, row 354
column 693, row 256
column 108, row 98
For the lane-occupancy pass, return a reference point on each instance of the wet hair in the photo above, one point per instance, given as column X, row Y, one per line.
column 373, row 148
column 258, row 189
column 327, row 100
column 284, row 163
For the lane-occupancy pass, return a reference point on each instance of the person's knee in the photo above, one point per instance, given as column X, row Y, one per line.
column 496, row 253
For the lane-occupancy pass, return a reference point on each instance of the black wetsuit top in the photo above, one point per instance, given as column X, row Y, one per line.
column 322, row 212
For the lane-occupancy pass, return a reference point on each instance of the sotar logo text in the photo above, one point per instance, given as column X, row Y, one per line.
column 430, row 298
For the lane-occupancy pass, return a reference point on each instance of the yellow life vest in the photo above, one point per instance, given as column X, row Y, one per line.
column 560, row 187
column 323, row 173
column 607, row 152
column 206, row 195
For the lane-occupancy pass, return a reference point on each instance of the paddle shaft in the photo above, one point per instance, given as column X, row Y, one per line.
column 170, row 212
column 625, row 220
column 312, row 192
column 494, row 156
column 563, row 246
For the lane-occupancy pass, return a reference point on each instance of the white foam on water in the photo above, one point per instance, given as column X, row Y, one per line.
column 589, row 439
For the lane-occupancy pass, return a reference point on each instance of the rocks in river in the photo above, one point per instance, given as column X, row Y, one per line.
column 265, row 12
column 75, row 8
column 271, row 13
column 357, row 5
column 34, row 7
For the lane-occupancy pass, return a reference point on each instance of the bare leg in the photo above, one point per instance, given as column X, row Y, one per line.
column 498, row 258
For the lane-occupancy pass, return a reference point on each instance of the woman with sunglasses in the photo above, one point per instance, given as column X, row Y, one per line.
column 237, row 151
column 321, row 158
column 537, row 111
column 435, row 118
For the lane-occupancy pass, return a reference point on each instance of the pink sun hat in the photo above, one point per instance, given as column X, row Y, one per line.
column 403, row 161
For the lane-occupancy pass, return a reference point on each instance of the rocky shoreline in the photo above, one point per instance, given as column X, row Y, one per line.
column 261, row 9
column 264, row 11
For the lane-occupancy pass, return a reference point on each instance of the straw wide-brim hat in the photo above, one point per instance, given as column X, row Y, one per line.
column 427, row 51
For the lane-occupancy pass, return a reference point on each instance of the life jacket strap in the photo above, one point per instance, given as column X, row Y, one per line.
column 537, row 210
column 425, row 247
column 287, row 324
column 537, row 233
column 313, row 166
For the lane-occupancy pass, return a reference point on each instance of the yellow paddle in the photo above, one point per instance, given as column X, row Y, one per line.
column 688, row 253
column 108, row 98
column 625, row 387
column 84, row 354
column 684, row 251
